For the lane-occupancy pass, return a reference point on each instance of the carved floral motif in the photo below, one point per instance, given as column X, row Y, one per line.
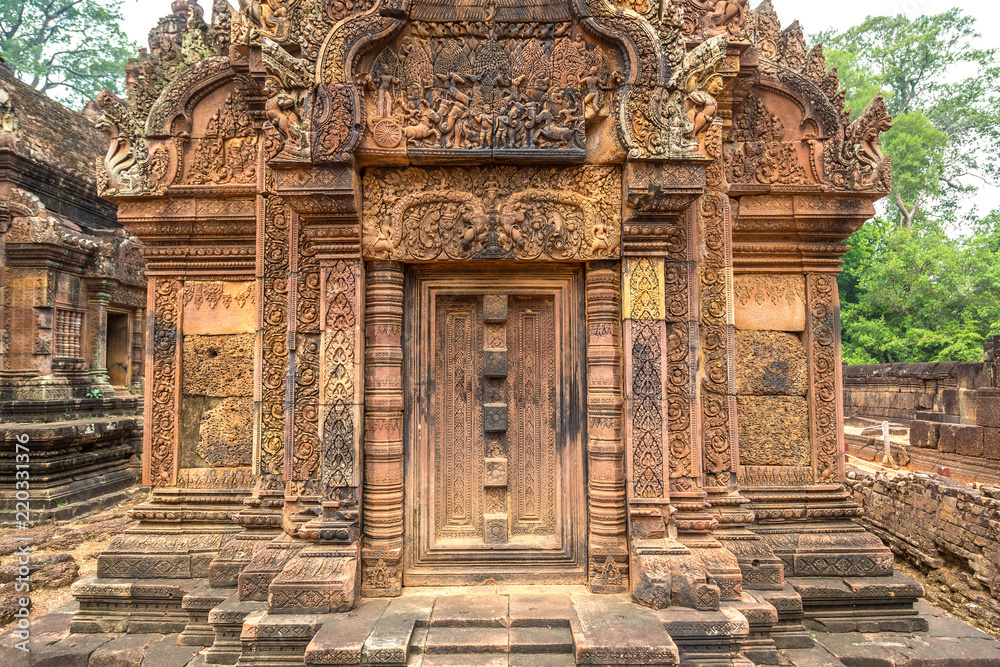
column 162, row 431
column 502, row 213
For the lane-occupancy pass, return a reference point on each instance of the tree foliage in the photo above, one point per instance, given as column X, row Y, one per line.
column 69, row 49
column 944, row 94
column 922, row 283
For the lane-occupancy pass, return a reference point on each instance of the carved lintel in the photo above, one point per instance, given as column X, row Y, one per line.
column 504, row 213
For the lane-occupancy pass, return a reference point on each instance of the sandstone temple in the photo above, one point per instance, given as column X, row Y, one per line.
column 72, row 307
column 502, row 328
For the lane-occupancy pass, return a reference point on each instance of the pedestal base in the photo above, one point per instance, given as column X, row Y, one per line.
column 320, row 579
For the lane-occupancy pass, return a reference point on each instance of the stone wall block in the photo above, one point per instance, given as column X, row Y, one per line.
column 924, row 434
column 962, row 439
column 988, row 407
column 991, row 443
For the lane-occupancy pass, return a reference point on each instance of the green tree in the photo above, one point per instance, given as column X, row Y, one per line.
column 69, row 49
column 947, row 129
column 920, row 294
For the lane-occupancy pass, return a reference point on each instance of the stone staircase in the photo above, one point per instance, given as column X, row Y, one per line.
column 521, row 628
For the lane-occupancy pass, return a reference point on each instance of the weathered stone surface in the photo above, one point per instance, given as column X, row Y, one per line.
column 389, row 641
column 988, row 407
column 470, row 610
column 529, row 610
column 946, row 528
column 770, row 363
column 464, row 640
column 217, row 308
column 924, row 434
column 125, row 651
column 218, row 366
column 72, row 651
column 611, row 630
column 774, row 430
column 991, row 443
column 343, row 636
column 226, row 433
column 962, row 439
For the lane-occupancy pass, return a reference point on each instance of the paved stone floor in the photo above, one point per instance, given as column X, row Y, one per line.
column 511, row 627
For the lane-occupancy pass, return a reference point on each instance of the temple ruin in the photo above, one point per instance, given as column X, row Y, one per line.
column 72, row 311
column 500, row 295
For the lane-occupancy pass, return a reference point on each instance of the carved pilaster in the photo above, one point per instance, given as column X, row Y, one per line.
column 271, row 349
column 608, row 563
column 825, row 382
column 302, row 447
column 383, row 498
column 160, row 438
column 324, row 577
column 743, row 557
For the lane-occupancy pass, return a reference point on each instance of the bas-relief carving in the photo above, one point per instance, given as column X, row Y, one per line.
column 475, row 88
column 643, row 310
column 217, row 365
column 226, row 433
column 774, row 430
column 823, row 336
column 487, row 86
column 521, row 213
column 271, row 367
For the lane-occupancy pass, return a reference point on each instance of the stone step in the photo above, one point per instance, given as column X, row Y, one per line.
column 343, row 636
column 390, row 640
column 534, row 640
column 480, row 611
column 610, row 629
column 541, row 660
column 465, row 660
column 442, row 640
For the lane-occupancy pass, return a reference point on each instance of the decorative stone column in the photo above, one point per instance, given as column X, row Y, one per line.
column 266, row 557
column 322, row 460
column 98, row 298
column 608, row 562
column 746, row 560
column 383, row 499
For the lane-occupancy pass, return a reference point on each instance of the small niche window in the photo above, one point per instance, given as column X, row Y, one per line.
column 118, row 349
column 68, row 325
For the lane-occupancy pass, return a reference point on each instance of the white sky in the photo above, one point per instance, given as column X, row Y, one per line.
column 815, row 16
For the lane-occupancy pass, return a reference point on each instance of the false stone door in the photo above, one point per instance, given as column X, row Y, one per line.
column 495, row 483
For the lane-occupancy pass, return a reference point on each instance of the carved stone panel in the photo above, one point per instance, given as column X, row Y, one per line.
column 495, row 470
column 525, row 213
column 491, row 88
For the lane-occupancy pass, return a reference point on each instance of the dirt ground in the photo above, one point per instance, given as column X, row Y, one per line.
column 62, row 554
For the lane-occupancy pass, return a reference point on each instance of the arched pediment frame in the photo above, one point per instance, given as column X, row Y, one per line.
column 342, row 66
column 172, row 113
column 790, row 132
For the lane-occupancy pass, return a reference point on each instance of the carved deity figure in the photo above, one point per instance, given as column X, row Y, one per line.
column 285, row 119
column 726, row 16
column 703, row 105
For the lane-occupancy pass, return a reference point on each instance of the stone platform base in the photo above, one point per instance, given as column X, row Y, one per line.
column 513, row 627
column 861, row 604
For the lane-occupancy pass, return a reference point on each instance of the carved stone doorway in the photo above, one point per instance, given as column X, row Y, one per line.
column 495, row 474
